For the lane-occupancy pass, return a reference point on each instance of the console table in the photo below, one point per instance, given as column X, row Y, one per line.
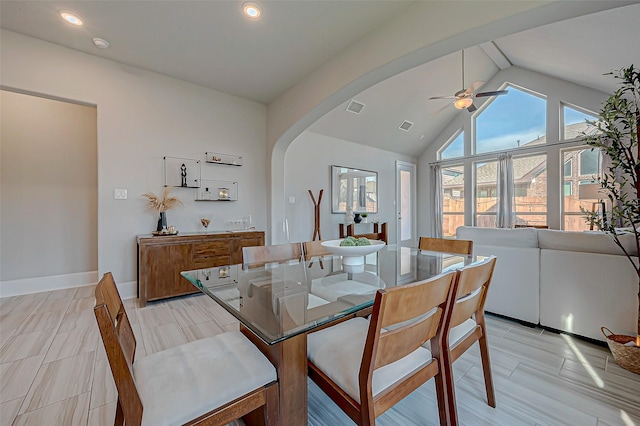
column 379, row 232
column 162, row 258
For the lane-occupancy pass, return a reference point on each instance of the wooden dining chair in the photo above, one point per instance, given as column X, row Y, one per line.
column 367, row 368
column 210, row 381
column 466, row 324
column 314, row 249
column 258, row 256
column 446, row 245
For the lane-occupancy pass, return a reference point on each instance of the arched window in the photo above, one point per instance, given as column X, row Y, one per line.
column 514, row 120
column 454, row 148
column 574, row 123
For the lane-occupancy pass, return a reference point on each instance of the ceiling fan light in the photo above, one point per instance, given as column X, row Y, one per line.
column 463, row 103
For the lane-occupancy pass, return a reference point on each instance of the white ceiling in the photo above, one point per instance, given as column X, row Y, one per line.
column 579, row 50
column 212, row 44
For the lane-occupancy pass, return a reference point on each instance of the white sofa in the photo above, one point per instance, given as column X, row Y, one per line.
column 570, row 281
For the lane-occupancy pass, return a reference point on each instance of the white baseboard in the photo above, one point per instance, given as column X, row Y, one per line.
column 127, row 290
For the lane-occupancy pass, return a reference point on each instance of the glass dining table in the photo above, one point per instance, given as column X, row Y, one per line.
column 277, row 304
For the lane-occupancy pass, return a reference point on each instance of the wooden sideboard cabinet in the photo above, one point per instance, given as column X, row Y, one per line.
column 162, row 258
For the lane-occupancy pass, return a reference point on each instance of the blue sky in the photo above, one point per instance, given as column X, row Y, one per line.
column 509, row 118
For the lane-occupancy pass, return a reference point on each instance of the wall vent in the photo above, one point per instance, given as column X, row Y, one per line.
column 406, row 125
column 355, row 107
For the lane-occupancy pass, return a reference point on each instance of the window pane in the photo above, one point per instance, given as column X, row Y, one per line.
column 573, row 219
column 575, row 123
column 455, row 148
column 512, row 120
column 453, row 199
column 486, row 194
column 568, row 168
column 530, row 177
column 588, row 162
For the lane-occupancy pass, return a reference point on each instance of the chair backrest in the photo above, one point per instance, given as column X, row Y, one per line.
column 417, row 311
column 253, row 257
column 120, row 345
column 446, row 245
column 314, row 249
column 471, row 291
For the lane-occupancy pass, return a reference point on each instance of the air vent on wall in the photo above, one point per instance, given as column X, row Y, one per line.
column 406, row 125
column 355, row 107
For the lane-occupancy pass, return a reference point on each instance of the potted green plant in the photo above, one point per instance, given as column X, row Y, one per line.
column 616, row 133
column 364, row 217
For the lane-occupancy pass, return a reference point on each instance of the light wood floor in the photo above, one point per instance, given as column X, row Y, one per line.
column 53, row 369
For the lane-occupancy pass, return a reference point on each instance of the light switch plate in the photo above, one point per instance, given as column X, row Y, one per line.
column 120, row 194
column 292, row 199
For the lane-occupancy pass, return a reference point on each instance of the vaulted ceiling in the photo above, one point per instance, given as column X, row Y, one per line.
column 212, row 44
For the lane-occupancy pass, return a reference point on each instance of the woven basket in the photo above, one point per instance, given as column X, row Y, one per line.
column 627, row 357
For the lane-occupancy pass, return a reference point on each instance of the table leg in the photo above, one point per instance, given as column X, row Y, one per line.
column 290, row 359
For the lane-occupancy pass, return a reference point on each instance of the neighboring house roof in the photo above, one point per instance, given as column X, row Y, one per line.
column 524, row 168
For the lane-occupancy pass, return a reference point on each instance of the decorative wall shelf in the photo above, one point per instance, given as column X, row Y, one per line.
column 218, row 158
column 181, row 172
column 217, row 190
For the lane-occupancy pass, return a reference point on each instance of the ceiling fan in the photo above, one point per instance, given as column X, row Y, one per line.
column 464, row 98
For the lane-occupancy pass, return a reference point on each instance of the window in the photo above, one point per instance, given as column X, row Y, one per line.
column 530, row 178
column 453, row 199
column 454, row 148
column 588, row 162
column 486, row 173
column 572, row 218
column 511, row 121
column 575, row 123
column 568, row 168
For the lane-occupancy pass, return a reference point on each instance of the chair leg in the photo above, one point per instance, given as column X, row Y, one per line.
column 486, row 367
column 119, row 420
column 449, row 391
column 271, row 407
column 442, row 397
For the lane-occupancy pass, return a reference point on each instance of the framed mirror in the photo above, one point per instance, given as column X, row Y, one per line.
column 353, row 187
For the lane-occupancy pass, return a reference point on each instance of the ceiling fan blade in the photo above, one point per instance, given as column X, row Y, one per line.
column 496, row 93
column 471, row 108
column 475, row 86
column 442, row 97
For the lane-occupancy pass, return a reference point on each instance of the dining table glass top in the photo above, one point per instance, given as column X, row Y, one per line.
column 280, row 300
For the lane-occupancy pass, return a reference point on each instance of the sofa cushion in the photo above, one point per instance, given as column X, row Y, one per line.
column 521, row 237
column 179, row 384
column 586, row 242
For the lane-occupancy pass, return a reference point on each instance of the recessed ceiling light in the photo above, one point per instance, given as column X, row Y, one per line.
column 71, row 18
column 100, row 43
column 252, row 10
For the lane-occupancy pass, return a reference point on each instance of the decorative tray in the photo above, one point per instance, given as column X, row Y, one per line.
column 160, row 233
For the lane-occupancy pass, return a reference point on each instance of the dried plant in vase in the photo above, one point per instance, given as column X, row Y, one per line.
column 161, row 205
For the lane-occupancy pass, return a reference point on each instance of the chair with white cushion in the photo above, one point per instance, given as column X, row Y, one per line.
column 467, row 326
column 258, row 256
column 445, row 245
column 366, row 368
column 211, row 381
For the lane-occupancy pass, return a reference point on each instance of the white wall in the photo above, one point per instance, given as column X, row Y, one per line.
column 308, row 164
column 143, row 116
column 48, row 181
column 556, row 91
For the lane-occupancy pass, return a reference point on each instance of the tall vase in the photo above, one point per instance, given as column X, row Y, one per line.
column 162, row 222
